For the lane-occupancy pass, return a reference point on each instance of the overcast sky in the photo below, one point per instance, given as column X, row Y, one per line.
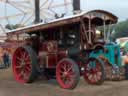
column 117, row 7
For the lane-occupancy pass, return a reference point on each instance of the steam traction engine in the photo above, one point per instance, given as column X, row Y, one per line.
column 110, row 54
column 61, row 49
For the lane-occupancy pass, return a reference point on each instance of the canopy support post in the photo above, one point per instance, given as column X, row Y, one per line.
column 104, row 30
column 90, row 41
column 109, row 32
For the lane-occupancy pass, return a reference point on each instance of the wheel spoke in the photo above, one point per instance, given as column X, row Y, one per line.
column 27, row 58
column 68, row 81
column 24, row 55
column 19, row 59
column 87, row 74
column 21, row 74
column 95, row 78
column 90, row 77
column 61, row 72
column 99, row 75
column 25, row 76
column 28, row 68
column 18, row 67
column 88, row 67
column 27, row 62
column 20, row 52
column 98, row 66
column 65, row 67
column 63, row 78
column 71, row 73
column 18, row 62
column 70, row 67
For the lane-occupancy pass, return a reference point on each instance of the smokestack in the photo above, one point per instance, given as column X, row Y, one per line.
column 37, row 11
column 76, row 6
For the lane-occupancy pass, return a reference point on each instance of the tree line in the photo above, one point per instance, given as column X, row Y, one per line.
column 121, row 30
column 116, row 30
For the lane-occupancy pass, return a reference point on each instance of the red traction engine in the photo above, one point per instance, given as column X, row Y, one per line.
column 59, row 49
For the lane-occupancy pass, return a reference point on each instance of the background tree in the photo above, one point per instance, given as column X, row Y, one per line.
column 11, row 26
column 117, row 30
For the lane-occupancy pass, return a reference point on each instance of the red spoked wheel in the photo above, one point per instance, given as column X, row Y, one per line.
column 94, row 71
column 24, row 64
column 67, row 74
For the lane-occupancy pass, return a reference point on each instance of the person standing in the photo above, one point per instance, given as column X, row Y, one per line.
column 6, row 59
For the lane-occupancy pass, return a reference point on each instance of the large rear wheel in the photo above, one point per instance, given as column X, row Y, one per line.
column 24, row 64
column 94, row 71
column 67, row 74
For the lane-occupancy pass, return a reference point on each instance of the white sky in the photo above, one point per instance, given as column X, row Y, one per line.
column 117, row 7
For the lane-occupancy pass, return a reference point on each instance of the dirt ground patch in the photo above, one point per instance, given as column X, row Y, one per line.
column 9, row 87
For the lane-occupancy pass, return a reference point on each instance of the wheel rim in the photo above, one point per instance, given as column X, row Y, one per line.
column 108, row 67
column 93, row 71
column 65, row 74
column 22, row 65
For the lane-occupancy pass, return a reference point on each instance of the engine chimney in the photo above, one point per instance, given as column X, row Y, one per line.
column 37, row 11
column 76, row 6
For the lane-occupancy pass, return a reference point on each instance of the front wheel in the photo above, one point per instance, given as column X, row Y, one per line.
column 67, row 74
column 94, row 71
